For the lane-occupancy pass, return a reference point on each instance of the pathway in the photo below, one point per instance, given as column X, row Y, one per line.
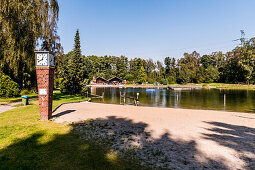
column 4, row 108
column 10, row 106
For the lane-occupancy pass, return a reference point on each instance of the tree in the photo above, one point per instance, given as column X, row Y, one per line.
column 141, row 77
column 8, row 87
column 211, row 74
column 170, row 70
column 247, row 61
column 206, row 61
column 73, row 72
column 23, row 24
column 231, row 67
column 121, row 66
column 189, row 67
column 168, row 65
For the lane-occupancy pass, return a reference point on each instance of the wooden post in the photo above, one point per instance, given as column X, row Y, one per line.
column 120, row 97
column 224, row 100
column 177, row 98
column 124, row 98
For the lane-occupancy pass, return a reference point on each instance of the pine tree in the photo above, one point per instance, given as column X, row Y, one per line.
column 141, row 77
column 73, row 74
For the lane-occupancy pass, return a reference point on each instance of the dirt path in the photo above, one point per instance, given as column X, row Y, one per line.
column 184, row 138
column 10, row 106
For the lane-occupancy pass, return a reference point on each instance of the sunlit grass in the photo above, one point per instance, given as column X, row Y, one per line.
column 27, row 143
column 5, row 100
column 233, row 86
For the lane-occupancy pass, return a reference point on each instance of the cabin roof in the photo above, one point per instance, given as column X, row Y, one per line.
column 111, row 79
column 101, row 78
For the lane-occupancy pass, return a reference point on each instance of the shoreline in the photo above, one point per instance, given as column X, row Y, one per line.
column 148, row 86
column 195, row 86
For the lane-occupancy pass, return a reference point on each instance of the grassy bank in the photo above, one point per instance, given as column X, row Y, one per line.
column 26, row 143
column 202, row 85
column 232, row 86
column 4, row 100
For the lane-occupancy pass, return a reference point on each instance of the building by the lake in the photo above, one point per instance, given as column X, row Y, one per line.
column 111, row 81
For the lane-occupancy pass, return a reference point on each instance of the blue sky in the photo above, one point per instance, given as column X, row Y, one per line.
column 154, row 28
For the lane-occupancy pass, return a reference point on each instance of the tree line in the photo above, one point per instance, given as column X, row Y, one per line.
column 32, row 24
column 236, row 66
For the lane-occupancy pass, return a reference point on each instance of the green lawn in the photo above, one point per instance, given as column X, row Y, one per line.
column 4, row 100
column 233, row 86
column 27, row 143
column 208, row 85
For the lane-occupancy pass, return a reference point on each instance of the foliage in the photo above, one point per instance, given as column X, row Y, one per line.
column 26, row 25
column 8, row 87
column 236, row 66
column 72, row 72
column 23, row 24
column 24, row 92
column 141, row 77
column 211, row 74
column 129, row 77
column 164, row 82
column 171, row 80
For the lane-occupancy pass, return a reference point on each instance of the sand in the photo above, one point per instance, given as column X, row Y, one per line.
column 186, row 138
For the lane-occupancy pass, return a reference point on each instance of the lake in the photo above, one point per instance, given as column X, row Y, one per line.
column 208, row 99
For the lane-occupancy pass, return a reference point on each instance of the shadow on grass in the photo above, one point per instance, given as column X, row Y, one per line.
column 119, row 143
column 63, row 152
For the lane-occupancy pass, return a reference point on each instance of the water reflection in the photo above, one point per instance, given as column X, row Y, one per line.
column 212, row 99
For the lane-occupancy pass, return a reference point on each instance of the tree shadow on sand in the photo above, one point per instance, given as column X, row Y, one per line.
column 131, row 140
column 238, row 138
column 105, row 143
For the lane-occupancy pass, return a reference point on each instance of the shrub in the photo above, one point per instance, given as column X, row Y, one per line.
column 86, row 82
column 57, row 83
column 150, row 80
column 164, row 82
column 171, row 80
column 129, row 77
column 33, row 90
column 24, row 92
column 8, row 88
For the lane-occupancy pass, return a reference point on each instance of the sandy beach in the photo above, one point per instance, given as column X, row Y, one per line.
column 183, row 138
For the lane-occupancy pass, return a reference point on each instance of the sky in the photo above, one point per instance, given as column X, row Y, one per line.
column 154, row 28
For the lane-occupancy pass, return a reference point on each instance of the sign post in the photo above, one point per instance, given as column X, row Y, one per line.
column 45, row 80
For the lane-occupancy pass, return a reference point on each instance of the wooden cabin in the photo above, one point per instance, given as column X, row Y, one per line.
column 100, row 80
column 114, row 81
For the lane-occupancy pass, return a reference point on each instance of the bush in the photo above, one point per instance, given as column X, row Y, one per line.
column 57, row 83
column 33, row 90
column 129, row 77
column 164, row 82
column 24, row 92
column 171, row 80
column 150, row 80
column 8, row 88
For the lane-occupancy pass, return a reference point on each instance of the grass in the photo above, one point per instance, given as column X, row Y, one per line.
column 27, row 143
column 233, row 86
column 5, row 100
column 210, row 85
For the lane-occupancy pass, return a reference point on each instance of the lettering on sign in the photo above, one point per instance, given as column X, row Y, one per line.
column 42, row 92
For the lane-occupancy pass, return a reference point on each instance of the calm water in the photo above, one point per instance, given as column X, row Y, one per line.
column 213, row 99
